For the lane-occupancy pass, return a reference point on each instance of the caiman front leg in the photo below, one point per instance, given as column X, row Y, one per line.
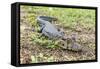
column 41, row 28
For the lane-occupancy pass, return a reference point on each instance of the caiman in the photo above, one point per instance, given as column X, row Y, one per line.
column 49, row 30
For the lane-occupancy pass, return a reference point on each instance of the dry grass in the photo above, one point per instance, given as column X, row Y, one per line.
column 82, row 24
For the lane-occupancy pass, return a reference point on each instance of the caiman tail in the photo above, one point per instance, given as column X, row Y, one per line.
column 45, row 19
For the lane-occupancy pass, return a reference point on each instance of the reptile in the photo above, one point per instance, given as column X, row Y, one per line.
column 49, row 30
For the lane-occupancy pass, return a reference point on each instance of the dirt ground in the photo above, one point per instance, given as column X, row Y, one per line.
column 31, row 52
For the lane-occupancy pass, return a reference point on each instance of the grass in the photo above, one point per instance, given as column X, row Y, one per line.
column 72, row 20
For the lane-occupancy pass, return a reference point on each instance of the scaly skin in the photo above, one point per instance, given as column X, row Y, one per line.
column 49, row 30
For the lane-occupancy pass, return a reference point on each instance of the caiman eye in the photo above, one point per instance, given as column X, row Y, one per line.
column 58, row 29
column 63, row 44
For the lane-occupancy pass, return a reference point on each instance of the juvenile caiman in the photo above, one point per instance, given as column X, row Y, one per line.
column 49, row 30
